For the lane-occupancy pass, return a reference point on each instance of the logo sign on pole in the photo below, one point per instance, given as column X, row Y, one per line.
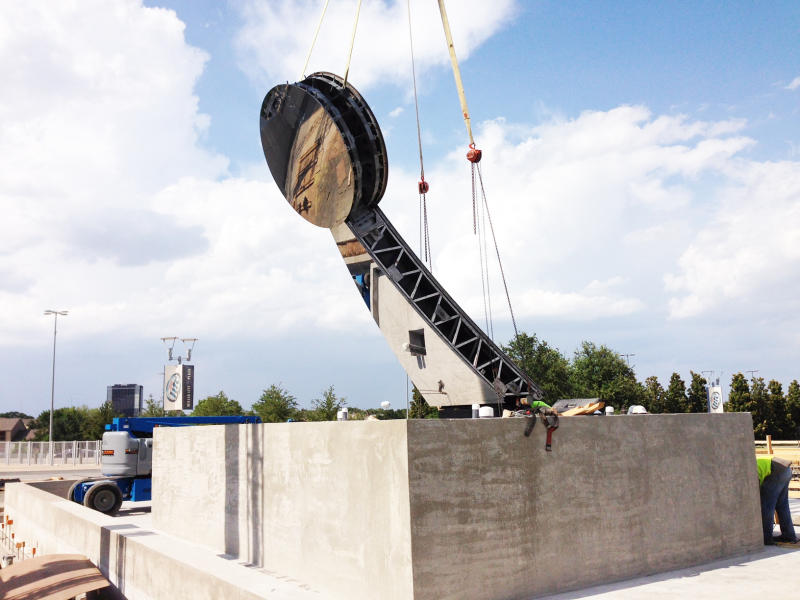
column 715, row 399
column 173, row 387
column 187, row 394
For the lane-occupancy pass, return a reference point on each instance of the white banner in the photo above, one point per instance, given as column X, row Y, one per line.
column 714, row 399
column 173, row 387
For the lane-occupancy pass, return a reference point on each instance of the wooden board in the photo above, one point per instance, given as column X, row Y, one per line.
column 583, row 410
column 51, row 577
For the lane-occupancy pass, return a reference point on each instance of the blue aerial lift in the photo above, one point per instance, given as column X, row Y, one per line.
column 127, row 460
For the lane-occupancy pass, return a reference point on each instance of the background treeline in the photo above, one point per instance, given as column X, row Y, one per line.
column 599, row 372
column 276, row 405
column 592, row 372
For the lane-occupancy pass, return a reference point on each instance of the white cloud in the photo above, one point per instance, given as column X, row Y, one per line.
column 748, row 253
column 112, row 208
column 570, row 199
column 396, row 112
column 276, row 36
column 794, row 84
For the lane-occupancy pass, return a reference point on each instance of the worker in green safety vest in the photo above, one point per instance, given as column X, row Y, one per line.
column 774, row 475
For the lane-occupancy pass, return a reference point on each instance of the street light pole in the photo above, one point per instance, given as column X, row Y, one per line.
column 55, row 314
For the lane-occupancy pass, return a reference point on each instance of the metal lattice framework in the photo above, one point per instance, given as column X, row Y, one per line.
column 418, row 285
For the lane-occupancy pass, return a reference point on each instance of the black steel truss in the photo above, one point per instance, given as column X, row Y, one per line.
column 418, row 285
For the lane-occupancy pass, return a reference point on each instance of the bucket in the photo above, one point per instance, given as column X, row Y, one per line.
column 486, row 412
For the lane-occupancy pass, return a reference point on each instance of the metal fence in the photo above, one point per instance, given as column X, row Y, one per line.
column 38, row 453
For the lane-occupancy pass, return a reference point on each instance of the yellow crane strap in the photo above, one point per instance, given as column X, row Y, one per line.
column 352, row 42
column 314, row 41
column 456, row 71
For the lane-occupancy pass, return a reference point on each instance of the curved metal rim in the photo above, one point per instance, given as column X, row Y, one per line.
column 376, row 152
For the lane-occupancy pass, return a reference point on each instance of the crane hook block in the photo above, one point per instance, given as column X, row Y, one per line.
column 423, row 187
column 474, row 155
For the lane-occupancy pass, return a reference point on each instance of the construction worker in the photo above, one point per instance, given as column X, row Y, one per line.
column 534, row 404
column 774, row 475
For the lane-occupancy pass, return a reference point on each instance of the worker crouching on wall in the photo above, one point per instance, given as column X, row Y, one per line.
column 774, row 475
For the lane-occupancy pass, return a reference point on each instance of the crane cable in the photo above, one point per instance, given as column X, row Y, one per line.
column 422, row 186
column 314, row 40
column 352, row 43
column 316, row 33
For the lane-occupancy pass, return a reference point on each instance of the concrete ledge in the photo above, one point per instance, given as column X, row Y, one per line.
column 141, row 562
column 463, row 509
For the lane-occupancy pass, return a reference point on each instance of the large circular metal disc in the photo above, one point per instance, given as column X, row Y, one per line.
column 307, row 155
column 324, row 148
column 361, row 123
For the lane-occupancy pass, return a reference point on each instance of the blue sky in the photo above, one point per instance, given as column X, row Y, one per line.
column 642, row 161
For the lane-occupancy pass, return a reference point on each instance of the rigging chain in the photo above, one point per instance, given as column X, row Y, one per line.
column 422, row 186
column 497, row 251
column 474, row 156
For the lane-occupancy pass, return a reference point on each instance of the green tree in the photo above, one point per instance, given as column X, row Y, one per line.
column 778, row 422
column 696, row 395
column 759, row 407
column 675, row 397
column 98, row 418
column 599, row 372
column 276, row 405
column 153, row 409
column 217, row 406
column 14, row 415
column 793, row 410
column 739, row 396
column 419, row 407
column 653, row 395
column 546, row 366
column 70, row 423
column 325, row 408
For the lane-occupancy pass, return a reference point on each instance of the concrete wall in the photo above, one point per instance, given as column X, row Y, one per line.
column 324, row 503
column 495, row 516
column 141, row 563
column 460, row 508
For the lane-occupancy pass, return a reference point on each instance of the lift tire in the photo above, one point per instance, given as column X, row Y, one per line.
column 104, row 497
column 74, row 486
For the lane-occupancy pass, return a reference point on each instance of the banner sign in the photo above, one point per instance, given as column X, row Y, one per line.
column 715, row 399
column 173, row 387
column 188, row 387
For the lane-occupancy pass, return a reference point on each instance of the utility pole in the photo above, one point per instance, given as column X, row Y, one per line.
column 55, row 314
column 627, row 358
column 752, row 373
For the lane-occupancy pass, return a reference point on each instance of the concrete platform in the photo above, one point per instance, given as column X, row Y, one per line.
column 427, row 509
column 468, row 510
column 772, row 572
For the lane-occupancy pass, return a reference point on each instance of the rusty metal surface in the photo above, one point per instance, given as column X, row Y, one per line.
column 324, row 148
column 307, row 156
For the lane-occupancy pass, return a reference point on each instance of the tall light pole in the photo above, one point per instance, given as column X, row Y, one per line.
column 55, row 314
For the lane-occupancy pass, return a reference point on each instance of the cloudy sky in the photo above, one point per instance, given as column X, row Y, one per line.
column 642, row 163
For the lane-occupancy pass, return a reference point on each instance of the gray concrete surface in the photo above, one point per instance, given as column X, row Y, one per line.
column 142, row 562
column 771, row 572
column 468, row 510
column 324, row 503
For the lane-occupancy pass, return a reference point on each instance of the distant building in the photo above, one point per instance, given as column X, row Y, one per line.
column 126, row 399
column 15, row 430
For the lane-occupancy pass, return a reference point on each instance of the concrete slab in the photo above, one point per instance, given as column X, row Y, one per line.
column 771, row 573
